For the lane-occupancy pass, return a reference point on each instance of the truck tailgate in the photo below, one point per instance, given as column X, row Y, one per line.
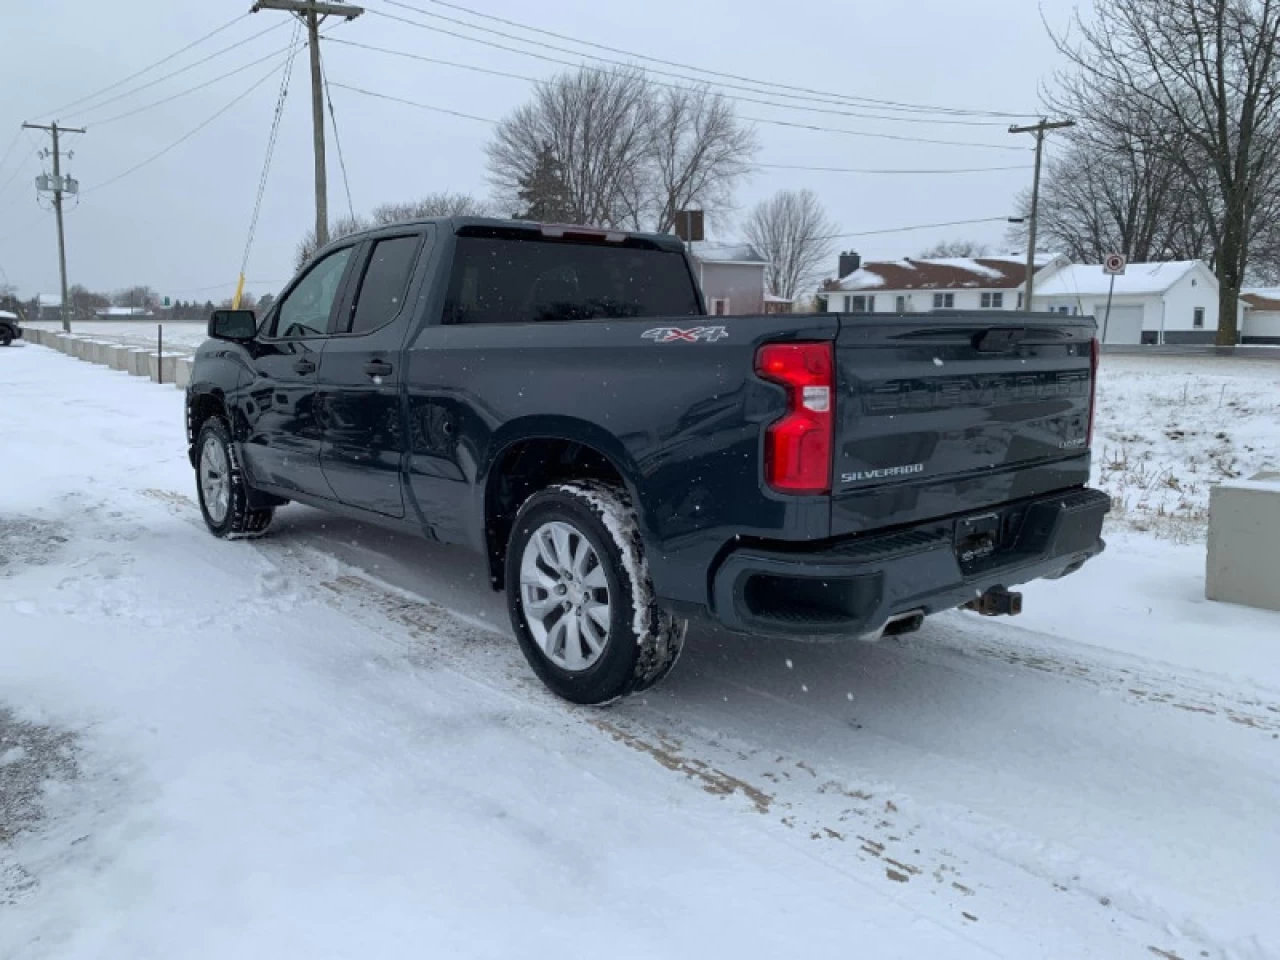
column 941, row 415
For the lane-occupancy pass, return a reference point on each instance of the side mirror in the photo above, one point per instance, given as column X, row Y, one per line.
column 235, row 325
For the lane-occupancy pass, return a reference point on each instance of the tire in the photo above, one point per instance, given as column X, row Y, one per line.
column 6, row 338
column 642, row 641
column 225, row 505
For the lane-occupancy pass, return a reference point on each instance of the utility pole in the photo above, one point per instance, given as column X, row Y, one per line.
column 312, row 13
column 57, row 186
column 1039, row 129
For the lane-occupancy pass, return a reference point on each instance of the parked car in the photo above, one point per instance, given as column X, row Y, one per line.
column 556, row 399
column 10, row 330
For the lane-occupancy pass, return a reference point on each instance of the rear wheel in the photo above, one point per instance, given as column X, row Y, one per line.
column 580, row 597
column 220, row 483
column 6, row 336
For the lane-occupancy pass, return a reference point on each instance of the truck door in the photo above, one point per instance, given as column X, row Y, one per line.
column 360, row 375
column 284, row 433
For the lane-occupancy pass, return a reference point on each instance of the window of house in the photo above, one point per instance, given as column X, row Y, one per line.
column 1019, row 299
column 848, row 303
column 1198, row 321
column 383, row 286
column 993, row 301
column 944, row 301
column 864, row 304
column 719, row 306
column 900, row 304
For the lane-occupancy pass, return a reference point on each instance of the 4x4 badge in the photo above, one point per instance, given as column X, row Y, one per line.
column 685, row 335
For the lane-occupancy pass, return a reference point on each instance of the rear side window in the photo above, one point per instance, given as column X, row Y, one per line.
column 384, row 284
column 506, row 280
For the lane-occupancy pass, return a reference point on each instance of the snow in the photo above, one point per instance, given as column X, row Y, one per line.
column 183, row 336
column 325, row 743
column 1088, row 279
column 861, row 279
column 6, row 315
column 1168, row 428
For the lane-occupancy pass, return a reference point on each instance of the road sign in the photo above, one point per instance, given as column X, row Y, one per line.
column 1114, row 264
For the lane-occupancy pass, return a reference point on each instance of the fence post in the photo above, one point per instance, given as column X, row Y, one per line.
column 159, row 353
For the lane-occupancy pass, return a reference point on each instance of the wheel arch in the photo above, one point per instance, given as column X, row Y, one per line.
column 536, row 453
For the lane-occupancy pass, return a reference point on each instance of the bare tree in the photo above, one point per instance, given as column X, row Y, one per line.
column 444, row 203
column 792, row 232
column 699, row 153
column 1208, row 71
column 343, row 227
column 946, row 249
column 626, row 152
column 138, row 297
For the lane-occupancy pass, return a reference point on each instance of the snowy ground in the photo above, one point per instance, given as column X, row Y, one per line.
column 1169, row 428
column 325, row 744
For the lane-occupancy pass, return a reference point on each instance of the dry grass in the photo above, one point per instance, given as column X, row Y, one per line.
column 1170, row 430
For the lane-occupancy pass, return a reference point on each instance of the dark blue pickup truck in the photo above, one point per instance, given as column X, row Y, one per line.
column 557, row 398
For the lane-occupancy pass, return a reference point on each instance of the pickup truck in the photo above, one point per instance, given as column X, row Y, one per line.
column 10, row 330
column 557, row 399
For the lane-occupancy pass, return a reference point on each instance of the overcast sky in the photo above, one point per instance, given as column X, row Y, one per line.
column 180, row 223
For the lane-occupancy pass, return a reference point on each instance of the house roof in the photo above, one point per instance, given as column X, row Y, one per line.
column 1262, row 299
column 1088, row 280
column 725, row 252
column 949, row 273
column 774, row 298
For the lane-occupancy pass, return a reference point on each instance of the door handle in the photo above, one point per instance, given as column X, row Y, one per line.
column 378, row 368
column 304, row 366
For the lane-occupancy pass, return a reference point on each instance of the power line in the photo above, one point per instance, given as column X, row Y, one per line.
column 765, row 120
column 667, row 73
column 9, row 149
column 413, row 103
column 337, row 141
column 887, row 171
column 829, row 96
column 163, row 60
column 181, row 70
column 272, row 137
column 18, row 169
column 200, row 86
column 188, row 135
column 887, row 230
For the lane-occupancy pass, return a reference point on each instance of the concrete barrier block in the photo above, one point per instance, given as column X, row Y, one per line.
column 162, row 367
column 1244, row 542
column 137, row 364
column 182, row 373
column 102, row 352
column 118, row 357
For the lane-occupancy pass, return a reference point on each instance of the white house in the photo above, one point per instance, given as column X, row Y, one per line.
column 1174, row 302
column 1261, row 316
column 912, row 285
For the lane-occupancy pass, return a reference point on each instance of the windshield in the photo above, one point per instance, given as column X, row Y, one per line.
column 506, row 280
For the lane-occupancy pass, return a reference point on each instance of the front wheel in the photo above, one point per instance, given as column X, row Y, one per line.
column 580, row 597
column 6, row 337
column 224, row 495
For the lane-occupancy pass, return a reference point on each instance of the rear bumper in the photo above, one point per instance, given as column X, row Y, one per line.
column 855, row 586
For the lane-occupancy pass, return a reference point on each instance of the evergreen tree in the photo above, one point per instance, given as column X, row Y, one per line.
column 543, row 194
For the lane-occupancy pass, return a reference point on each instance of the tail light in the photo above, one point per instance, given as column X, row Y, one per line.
column 1094, row 355
column 798, row 446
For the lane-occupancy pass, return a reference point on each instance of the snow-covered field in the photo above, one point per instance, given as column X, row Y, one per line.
column 326, row 744
column 181, row 337
column 1168, row 428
